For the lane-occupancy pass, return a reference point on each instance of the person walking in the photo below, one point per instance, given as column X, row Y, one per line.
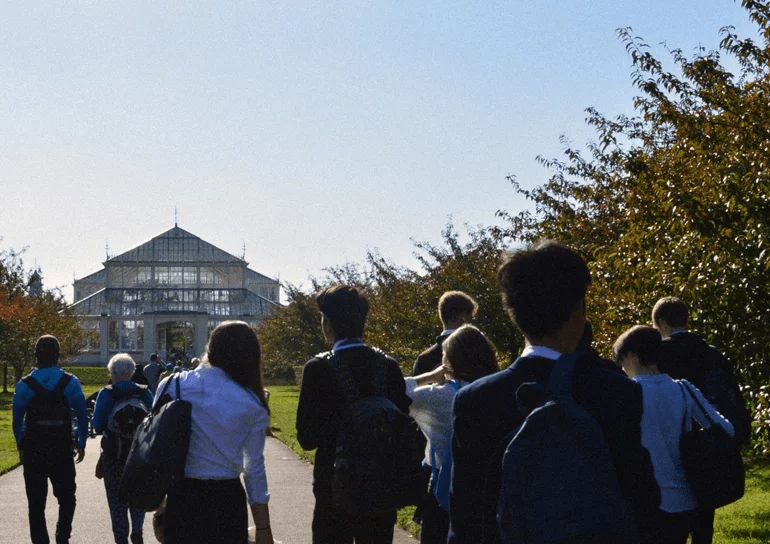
column 322, row 402
column 113, row 406
column 229, row 418
column 42, row 426
column 467, row 356
column 152, row 373
column 666, row 404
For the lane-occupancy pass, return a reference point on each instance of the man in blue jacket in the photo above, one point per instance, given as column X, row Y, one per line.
column 42, row 425
column 544, row 292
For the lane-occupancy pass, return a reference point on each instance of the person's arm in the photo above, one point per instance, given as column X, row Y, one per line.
column 462, row 528
column 397, row 387
column 77, row 400
column 310, row 407
column 255, row 478
column 718, row 418
column 101, row 410
column 21, row 399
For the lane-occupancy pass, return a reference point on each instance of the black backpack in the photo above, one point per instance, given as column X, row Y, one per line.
column 378, row 460
column 127, row 413
column 558, row 480
column 721, row 389
column 48, row 420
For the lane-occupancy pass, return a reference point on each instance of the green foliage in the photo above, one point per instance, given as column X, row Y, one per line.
column 89, row 375
column 280, row 374
column 403, row 317
column 26, row 315
column 676, row 200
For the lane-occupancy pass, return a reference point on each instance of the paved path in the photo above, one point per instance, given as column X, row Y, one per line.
column 289, row 480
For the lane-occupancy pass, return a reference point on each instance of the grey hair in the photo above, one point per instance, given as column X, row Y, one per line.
column 121, row 367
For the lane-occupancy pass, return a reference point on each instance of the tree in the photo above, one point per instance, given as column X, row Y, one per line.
column 25, row 316
column 403, row 316
column 675, row 200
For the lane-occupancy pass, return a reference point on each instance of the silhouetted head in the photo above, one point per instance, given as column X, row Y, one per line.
column 456, row 308
column 345, row 309
column 47, row 351
column 469, row 354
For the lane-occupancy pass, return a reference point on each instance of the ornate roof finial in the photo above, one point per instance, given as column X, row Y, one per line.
column 107, row 249
column 176, row 217
column 244, row 251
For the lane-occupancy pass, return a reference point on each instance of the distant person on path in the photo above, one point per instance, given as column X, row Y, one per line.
column 229, row 418
column 665, row 407
column 544, row 290
column 455, row 309
column 42, row 425
column 113, row 406
column 321, row 406
column 138, row 377
column 468, row 355
column 686, row 355
column 152, row 373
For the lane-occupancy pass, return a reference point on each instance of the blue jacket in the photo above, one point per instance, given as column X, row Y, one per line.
column 48, row 378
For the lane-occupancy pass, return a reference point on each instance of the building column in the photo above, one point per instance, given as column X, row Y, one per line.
column 104, row 339
column 201, row 334
column 149, row 337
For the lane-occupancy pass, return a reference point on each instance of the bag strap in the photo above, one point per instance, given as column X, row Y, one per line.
column 560, row 381
column 63, row 383
column 33, row 384
column 700, row 406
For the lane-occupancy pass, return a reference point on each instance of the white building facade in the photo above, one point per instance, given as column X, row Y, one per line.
column 165, row 296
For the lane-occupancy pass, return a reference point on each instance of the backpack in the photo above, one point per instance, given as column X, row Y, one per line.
column 558, row 479
column 378, row 458
column 127, row 413
column 721, row 389
column 48, row 420
column 442, row 477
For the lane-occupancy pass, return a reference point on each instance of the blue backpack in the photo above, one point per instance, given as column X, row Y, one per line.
column 442, row 476
column 558, row 479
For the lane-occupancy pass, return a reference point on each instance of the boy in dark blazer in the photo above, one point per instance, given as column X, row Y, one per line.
column 544, row 291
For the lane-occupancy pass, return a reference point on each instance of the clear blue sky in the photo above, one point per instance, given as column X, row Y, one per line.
column 310, row 131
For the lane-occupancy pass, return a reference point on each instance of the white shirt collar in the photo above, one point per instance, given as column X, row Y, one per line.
column 678, row 332
column 540, row 351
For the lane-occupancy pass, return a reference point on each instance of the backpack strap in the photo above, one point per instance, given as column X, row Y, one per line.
column 345, row 379
column 560, row 381
column 64, row 381
column 33, row 384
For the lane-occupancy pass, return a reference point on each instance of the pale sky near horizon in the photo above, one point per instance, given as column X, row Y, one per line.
column 310, row 131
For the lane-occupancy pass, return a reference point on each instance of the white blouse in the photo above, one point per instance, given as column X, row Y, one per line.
column 228, row 429
column 431, row 408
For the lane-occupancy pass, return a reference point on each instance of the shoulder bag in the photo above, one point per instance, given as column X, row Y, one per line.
column 711, row 458
column 158, row 452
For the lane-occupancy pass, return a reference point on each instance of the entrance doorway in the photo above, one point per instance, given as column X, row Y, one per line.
column 176, row 340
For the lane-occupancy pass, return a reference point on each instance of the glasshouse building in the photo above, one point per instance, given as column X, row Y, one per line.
column 165, row 296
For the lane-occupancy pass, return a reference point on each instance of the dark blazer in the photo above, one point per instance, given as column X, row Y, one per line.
column 485, row 412
column 430, row 358
column 321, row 403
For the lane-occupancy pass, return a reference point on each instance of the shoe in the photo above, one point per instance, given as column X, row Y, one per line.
column 137, row 538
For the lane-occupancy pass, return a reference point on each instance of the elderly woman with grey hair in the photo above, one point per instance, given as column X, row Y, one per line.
column 119, row 405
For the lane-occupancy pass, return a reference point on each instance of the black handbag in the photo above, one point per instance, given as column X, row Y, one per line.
column 712, row 460
column 158, row 452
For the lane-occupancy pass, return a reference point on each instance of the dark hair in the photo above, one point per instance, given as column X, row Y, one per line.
column 47, row 351
column 234, row 348
column 455, row 304
column 345, row 308
column 541, row 286
column 671, row 309
column 154, row 358
column 641, row 340
column 470, row 353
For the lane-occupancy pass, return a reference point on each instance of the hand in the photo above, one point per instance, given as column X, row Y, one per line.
column 80, row 455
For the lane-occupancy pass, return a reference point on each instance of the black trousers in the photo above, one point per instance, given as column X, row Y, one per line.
column 333, row 526
column 676, row 527
column 206, row 512
column 435, row 522
column 60, row 469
